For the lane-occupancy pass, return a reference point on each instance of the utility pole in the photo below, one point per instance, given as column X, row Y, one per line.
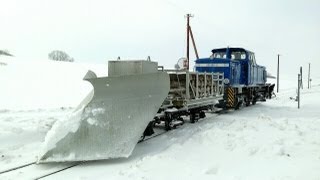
column 278, row 74
column 188, row 35
column 309, row 77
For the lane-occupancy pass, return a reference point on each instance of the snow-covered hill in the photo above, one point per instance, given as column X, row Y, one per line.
column 271, row 140
column 44, row 84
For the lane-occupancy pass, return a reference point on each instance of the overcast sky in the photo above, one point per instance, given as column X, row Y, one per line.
column 99, row 30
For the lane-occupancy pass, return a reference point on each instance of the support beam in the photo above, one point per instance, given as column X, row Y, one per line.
column 193, row 43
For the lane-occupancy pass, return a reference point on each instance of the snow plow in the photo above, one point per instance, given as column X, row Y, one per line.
column 111, row 119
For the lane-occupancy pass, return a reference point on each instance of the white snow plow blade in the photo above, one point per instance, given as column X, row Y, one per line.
column 111, row 123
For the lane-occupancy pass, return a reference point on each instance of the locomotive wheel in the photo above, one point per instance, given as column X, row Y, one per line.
column 202, row 114
column 167, row 125
column 192, row 117
column 180, row 119
column 247, row 102
column 254, row 102
column 237, row 104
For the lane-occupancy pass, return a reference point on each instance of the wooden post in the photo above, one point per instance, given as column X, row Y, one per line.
column 301, row 77
column 278, row 75
column 309, row 77
column 299, row 83
column 188, row 32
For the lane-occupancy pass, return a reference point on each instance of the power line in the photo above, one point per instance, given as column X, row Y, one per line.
column 172, row 4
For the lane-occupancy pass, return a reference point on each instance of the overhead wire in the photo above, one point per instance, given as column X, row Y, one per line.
column 200, row 20
column 181, row 11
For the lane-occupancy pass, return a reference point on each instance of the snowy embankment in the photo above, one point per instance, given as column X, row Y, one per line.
column 271, row 140
column 44, row 84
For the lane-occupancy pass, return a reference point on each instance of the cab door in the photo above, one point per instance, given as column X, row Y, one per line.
column 244, row 72
column 252, row 66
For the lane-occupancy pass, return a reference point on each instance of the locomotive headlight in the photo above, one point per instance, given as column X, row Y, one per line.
column 226, row 81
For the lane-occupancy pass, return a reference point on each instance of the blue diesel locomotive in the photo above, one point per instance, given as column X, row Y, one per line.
column 245, row 80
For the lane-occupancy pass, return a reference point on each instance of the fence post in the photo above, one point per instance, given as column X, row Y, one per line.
column 299, row 83
column 309, row 77
column 278, row 74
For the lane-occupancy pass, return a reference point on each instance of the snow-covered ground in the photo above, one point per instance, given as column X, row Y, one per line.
column 271, row 140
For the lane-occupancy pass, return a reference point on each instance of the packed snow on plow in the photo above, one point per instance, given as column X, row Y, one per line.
column 109, row 122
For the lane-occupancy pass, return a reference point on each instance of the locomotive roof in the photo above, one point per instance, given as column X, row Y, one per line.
column 232, row 49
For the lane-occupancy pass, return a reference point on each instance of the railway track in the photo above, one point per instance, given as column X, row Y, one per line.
column 66, row 167
column 18, row 167
column 57, row 171
column 28, row 165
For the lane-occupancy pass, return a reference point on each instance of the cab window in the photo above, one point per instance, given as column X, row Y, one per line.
column 238, row 55
column 220, row 55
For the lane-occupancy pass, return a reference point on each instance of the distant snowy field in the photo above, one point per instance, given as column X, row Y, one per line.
column 271, row 140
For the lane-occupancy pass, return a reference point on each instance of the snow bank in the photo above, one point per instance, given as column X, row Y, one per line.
column 44, row 84
column 22, row 132
column 5, row 60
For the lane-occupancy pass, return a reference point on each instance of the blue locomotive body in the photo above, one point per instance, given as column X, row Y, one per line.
column 245, row 80
column 238, row 65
